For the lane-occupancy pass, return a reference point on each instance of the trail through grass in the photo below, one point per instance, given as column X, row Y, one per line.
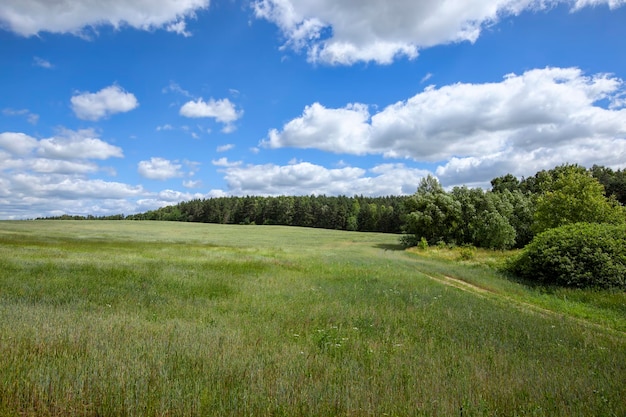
column 151, row 319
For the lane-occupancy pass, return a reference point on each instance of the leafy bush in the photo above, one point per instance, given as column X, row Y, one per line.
column 576, row 255
column 467, row 253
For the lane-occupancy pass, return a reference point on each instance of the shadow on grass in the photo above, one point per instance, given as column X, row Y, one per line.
column 390, row 246
column 542, row 287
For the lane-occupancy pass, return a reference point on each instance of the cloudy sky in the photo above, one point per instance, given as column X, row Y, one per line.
column 122, row 106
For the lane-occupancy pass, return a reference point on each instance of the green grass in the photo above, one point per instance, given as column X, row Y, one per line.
column 154, row 319
column 606, row 308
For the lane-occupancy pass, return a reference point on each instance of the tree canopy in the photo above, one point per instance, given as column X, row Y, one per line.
column 574, row 196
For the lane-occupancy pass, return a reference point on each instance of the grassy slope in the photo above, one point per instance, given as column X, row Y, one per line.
column 148, row 318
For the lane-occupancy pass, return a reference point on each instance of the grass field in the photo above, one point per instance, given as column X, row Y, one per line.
column 176, row 319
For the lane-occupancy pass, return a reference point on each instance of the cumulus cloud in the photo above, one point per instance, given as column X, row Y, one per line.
column 159, row 169
column 613, row 4
column 104, row 103
column 66, row 145
column 81, row 144
column 41, row 176
column 344, row 130
column 17, row 143
column 48, row 166
column 344, row 31
column 549, row 114
column 223, row 111
column 305, row 178
column 29, row 17
column 72, row 188
column 459, row 171
column 29, row 193
column 54, row 176
column 224, row 162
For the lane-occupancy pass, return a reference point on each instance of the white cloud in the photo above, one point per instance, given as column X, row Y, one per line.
column 179, row 27
column 344, row 130
column 224, row 148
column 304, row 178
column 108, row 101
column 426, row 77
column 81, row 144
column 229, row 128
column 66, row 145
column 32, row 118
column 344, row 31
column 28, row 190
column 72, row 188
column 550, row 107
column 550, row 114
column 29, row 17
column 164, row 127
column 159, row 169
column 223, row 111
column 192, row 184
column 613, row 4
column 51, row 166
column 165, row 198
column 17, row 143
column 37, row 189
column 224, row 162
column 175, row 88
column 50, row 177
column 40, row 62
column 479, row 171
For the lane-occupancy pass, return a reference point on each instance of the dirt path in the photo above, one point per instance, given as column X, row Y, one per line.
column 524, row 306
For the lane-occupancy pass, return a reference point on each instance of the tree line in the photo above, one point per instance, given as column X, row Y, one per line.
column 358, row 213
column 514, row 211
column 508, row 215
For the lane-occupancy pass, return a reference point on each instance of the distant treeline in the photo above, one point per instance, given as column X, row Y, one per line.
column 366, row 214
column 461, row 215
column 90, row 217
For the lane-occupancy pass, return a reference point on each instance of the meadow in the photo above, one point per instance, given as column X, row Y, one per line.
column 122, row 318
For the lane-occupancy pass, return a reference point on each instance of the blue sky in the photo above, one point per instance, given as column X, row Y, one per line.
column 122, row 106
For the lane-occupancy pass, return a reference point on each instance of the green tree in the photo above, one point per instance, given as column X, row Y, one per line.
column 485, row 218
column 614, row 182
column 352, row 222
column 507, row 182
column 521, row 218
column 432, row 214
column 574, row 196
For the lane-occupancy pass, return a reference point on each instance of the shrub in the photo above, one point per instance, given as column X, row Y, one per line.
column 576, row 255
column 467, row 253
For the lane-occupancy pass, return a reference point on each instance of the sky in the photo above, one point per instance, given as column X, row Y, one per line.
column 124, row 106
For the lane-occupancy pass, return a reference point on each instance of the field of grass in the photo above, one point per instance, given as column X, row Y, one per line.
column 156, row 319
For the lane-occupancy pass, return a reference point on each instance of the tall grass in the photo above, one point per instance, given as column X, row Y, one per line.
column 605, row 308
column 155, row 319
